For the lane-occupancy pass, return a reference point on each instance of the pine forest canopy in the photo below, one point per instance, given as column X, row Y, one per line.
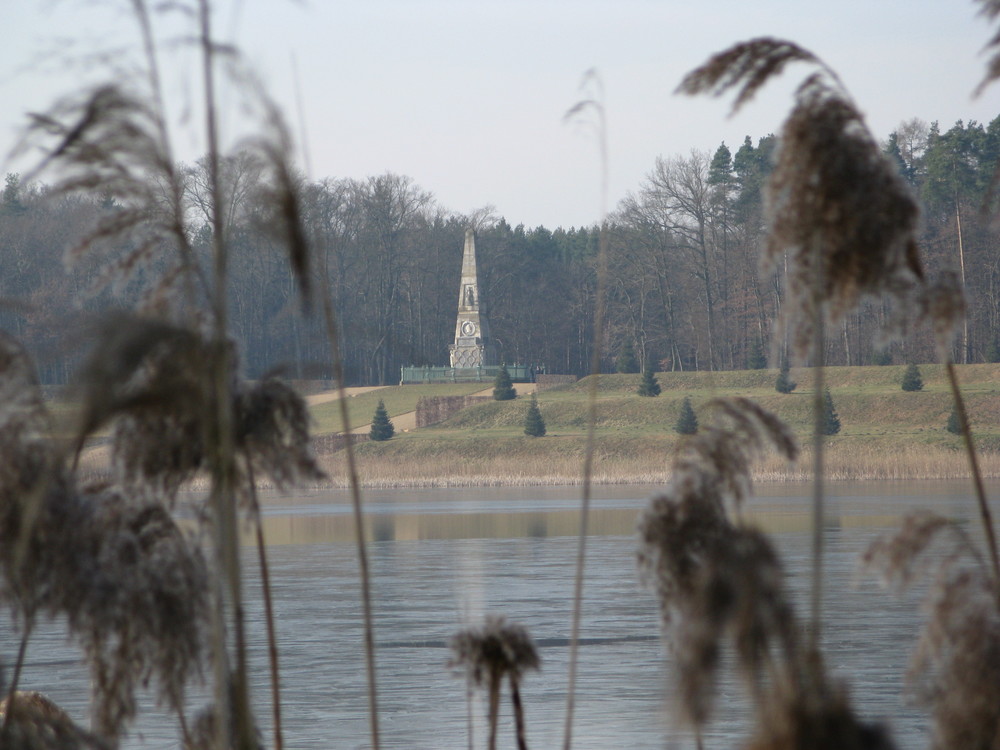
column 683, row 271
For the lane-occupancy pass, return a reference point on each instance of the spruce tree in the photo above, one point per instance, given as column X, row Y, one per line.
column 649, row 386
column 503, row 389
column 687, row 422
column 755, row 355
column 954, row 426
column 626, row 362
column 382, row 427
column 911, row 378
column 534, row 425
column 831, row 422
column 882, row 358
column 784, row 382
column 992, row 353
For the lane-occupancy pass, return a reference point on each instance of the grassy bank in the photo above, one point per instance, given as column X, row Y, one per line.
column 886, row 433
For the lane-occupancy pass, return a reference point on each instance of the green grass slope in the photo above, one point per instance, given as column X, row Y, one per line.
column 878, row 418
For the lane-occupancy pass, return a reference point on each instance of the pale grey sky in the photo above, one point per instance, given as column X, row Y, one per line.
column 467, row 97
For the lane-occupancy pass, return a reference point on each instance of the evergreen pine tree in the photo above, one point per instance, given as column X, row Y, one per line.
column 992, row 353
column 503, row 389
column 687, row 422
column 649, row 386
column 755, row 355
column 831, row 422
column 382, row 427
column 882, row 358
column 784, row 382
column 626, row 362
column 954, row 426
column 534, row 425
column 911, row 378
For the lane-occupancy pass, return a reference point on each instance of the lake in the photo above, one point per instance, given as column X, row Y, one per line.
column 443, row 558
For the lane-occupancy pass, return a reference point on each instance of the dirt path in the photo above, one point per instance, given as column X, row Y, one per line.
column 327, row 396
column 408, row 420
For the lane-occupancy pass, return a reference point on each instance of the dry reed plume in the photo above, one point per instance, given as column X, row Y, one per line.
column 132, row 586
column 839, row 213
column 39, row 724
column 718, row 583
column 955, row 666
column 166, row 378
column 487, row 654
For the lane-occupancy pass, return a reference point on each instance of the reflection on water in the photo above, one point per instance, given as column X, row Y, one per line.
column 499, row 513
column 441, row 558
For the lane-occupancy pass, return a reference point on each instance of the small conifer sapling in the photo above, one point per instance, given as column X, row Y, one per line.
column 649, row 386
column 534, row 425
column 503, row 389
column 911, row 378
column 831, row 422
column 954, row 424
column 687, row 422
column 756, row 360
column 784, row 382
column 627, row 364
column 992, row 353
column 382, row 427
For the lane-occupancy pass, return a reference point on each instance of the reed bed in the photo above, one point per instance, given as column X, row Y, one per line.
column 845, row 462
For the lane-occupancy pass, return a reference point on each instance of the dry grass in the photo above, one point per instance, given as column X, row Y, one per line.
column 846, row 459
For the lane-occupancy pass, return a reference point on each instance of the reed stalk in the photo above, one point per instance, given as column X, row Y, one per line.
column 358, row 514
column 265, row 580
column 22, row 650
column 818, row 514
column 977, row 478
column 594, row 104
column 223, row 444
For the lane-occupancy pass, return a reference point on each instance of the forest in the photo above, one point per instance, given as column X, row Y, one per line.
column 684, row 285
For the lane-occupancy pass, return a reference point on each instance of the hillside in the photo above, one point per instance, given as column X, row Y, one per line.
column 886, row 432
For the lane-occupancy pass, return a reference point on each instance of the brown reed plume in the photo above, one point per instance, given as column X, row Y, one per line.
column 150, row 378
column 114, row 141
column 719, row 584
column 591, row 106
column 839, row 213
column 490, row 652
column 955, row 666
column 991, row 10
column 841, row 221
column 39, row 724
column 689, row 551
column 132, row 587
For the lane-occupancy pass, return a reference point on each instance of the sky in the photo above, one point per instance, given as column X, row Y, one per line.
column 468, row 97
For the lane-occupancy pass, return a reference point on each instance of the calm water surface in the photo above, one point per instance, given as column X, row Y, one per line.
column 442, row 558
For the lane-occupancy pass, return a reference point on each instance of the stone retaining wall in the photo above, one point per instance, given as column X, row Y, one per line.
column 434, row 409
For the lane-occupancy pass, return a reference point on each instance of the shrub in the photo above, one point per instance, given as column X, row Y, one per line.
column 534, row 425
column 911, row 378
column 649, row 386
column 687, row 422
column 382, row 427
column 503, row 389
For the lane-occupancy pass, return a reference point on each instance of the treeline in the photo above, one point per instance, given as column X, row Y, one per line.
column 684, row 287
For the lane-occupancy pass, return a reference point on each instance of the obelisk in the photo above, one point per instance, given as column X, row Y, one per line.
column 472, row 347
